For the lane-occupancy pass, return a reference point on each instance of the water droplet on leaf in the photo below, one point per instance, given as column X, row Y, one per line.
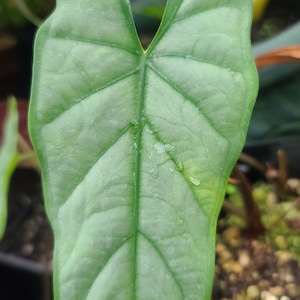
column 162, row 148
column 194, row 181
column 149, row 131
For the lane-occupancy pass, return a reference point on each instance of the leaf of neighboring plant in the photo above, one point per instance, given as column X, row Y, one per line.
column 278, row 56
column 136, row 147
column 22, row 109
column 259, row 7
column 276, row 112
column 276, row 73
column 8, row 158
column 27, row 157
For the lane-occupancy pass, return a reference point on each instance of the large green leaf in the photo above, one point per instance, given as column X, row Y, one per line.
column 136, row 146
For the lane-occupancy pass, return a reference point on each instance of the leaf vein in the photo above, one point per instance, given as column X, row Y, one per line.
column 113, row 252
column 152, row 243
column 94, row 42
column 187, row 97
column 197, row 59
column 98, row 156
column 175, row 160
column 96, row 90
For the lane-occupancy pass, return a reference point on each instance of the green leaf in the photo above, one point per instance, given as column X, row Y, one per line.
column 276, row 112
column 136, row 146
column 8, row 158
column 150, row 8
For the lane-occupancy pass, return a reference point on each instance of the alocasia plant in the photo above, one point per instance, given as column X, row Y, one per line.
column 136, row 145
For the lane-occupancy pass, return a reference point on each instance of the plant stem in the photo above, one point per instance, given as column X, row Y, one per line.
column 251, row 161
column 227, row 205
column 255, row 226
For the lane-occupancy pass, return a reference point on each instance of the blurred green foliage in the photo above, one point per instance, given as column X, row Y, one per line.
column 280, row 217
column 11, row 15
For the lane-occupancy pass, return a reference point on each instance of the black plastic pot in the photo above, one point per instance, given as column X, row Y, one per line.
column 24, row 279
column 21, row 275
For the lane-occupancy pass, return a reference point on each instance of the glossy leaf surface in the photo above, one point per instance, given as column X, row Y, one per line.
column 136, row 146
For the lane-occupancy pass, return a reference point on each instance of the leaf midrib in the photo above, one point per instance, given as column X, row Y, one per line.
column 137, row 168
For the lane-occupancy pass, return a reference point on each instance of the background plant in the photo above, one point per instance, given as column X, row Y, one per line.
column 8, row 159
column 14, row 151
